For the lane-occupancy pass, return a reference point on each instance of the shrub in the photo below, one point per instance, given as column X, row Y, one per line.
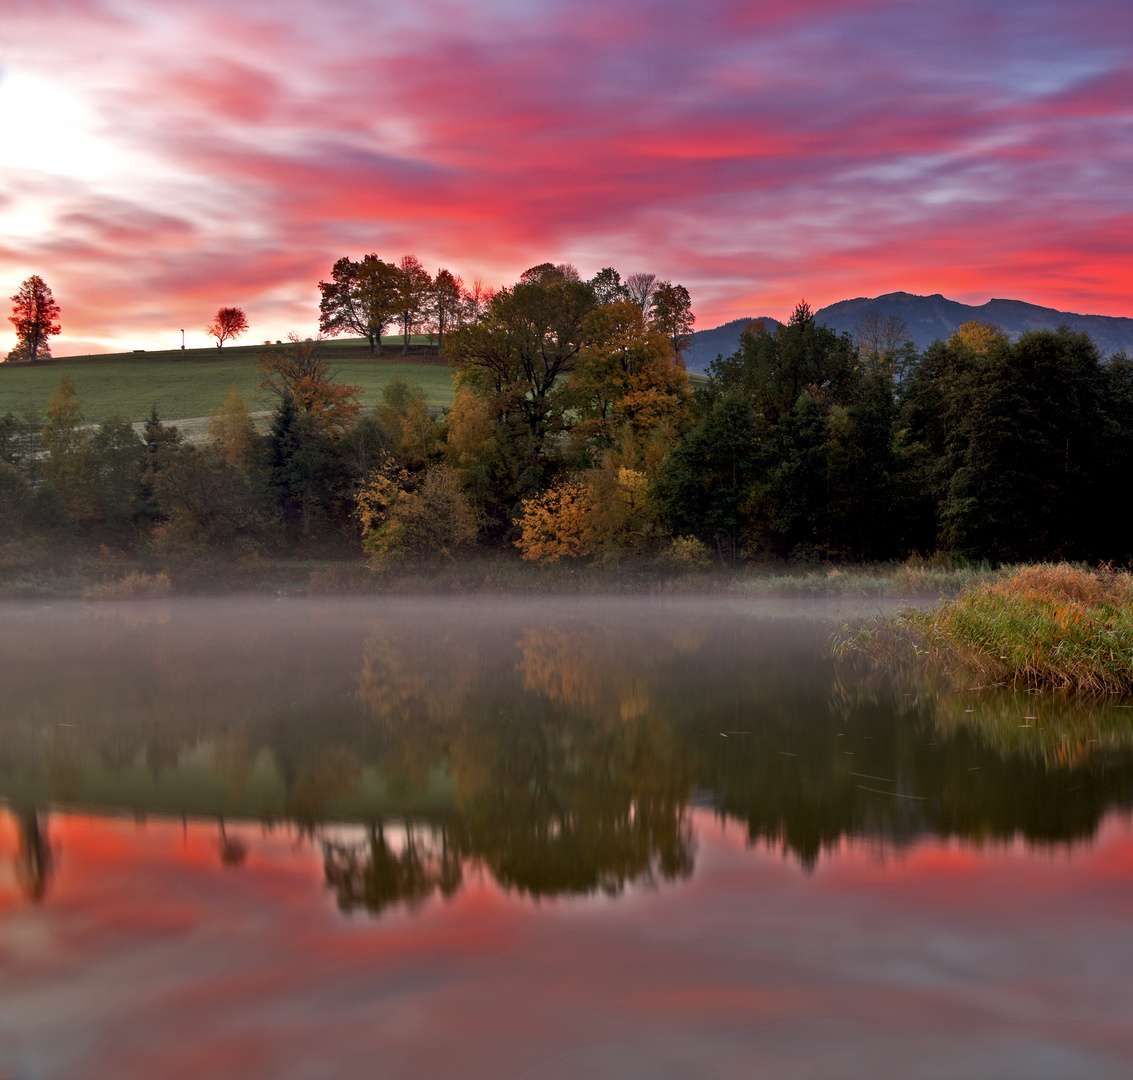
column 689, row 552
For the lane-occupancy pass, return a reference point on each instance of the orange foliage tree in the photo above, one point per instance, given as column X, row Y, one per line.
column 300, row 373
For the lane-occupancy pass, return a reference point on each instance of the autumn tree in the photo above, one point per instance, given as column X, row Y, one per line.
column 604, row 512
column 424, row 514
column 360, row 298
column 230, row 322
column 410, row 430
column 230, row 429
column 514, row 358
column 626, row 384
column 34, row 315
column 67, row 444
column 300, row 373
column 476, row 446
column 978, row 338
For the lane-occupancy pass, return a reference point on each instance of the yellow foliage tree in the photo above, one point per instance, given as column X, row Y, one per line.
column 472, row 444
column 405, row 514
column 627, row 384
column 68, row 446
column 977, row 337
column 231, row 431
column 608, row 511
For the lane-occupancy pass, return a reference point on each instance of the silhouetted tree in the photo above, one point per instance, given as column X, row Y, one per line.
column 448, row 304
column 34, row 315
column 230, row 322
column 361, row 298
column 670, row 313
column 414, row 297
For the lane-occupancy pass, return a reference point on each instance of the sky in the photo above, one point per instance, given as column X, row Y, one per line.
column 161, row 160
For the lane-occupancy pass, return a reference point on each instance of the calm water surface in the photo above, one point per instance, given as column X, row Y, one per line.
column 540, row 838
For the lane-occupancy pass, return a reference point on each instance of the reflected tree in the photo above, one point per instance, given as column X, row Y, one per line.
column 35, row 860
column 375, row 876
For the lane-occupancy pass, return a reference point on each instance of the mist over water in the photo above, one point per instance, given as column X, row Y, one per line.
column 544, row 837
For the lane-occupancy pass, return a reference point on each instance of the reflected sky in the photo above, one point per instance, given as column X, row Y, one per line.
column 154, row 958
column 544, row 838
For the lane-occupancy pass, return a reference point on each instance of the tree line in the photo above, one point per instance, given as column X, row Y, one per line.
column 575, row 433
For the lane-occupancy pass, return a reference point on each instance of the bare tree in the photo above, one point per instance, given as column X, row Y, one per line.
column 477, row 299
column 881, row 339
column 640, row 289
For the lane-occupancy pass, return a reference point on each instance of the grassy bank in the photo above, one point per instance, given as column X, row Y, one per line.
column 30, row 570
column 1040, row 627
column 195, row 382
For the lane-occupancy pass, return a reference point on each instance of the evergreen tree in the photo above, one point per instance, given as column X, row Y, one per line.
column 706, row 478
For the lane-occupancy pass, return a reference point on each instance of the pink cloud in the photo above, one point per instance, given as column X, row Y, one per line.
column 751, row 151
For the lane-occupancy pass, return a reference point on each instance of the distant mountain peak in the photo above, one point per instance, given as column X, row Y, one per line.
column 928, row 318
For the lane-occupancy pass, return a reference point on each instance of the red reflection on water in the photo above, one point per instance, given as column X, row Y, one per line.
column 148, row 956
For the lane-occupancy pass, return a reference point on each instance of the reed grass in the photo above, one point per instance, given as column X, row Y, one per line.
column 914, row 578
column 1048, row 626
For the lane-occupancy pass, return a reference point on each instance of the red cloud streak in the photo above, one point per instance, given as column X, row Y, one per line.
column 756, row 152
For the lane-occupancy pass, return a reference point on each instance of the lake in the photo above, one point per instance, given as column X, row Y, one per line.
column 552, row 838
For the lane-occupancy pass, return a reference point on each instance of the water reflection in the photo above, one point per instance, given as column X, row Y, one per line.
column 560, row 746
column 34, row 860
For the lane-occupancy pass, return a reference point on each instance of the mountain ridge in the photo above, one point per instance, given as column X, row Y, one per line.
column 928, row 318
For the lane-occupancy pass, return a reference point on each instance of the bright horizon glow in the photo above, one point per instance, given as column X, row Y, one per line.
column 157, row 164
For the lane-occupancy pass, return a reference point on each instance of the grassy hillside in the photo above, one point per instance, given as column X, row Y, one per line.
column 194, row 382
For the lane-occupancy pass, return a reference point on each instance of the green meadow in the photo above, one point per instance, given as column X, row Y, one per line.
column 194, row 382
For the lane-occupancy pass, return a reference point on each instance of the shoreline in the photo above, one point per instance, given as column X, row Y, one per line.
column 30, row 572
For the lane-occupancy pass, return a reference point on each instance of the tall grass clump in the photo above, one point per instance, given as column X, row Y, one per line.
column 1048, row 626
column 136, row 585
column 915, row 577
